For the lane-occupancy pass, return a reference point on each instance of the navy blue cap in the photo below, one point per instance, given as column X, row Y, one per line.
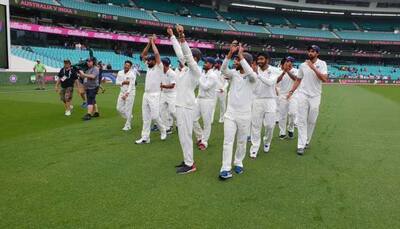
column 151, row 57
column 210, row 60
column 290, row 58
column 166, row 61
column 218, row 61
column 314, row 47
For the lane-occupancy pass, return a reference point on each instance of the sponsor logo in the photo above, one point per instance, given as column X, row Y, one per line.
column 13, row 78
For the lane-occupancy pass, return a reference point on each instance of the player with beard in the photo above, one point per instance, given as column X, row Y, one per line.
column 237, row 118
column 152, row 90
column 264, row 105
column 309, row 83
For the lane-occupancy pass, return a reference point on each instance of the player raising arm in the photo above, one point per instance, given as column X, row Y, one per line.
column 186, row 82
column 238, row 113
column 152, row 90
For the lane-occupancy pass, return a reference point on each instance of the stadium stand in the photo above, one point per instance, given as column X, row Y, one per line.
column 108, row 9
column 379, row 36
column 53, row 56
column 32, row 56
column 50, row 2
column 116, row 2
column 192, row 21
column 158, row 5
column 305, row 32
column 206, row 18
column 249, row 28
column 378, row 25
column 334, row 23
column 200, row 11
column 244, row 16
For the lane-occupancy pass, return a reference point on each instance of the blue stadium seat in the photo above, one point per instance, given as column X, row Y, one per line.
column 107, row 9
column 53, row 56
column 378, row 36
column 378, row 25
column 249, row 28
column 240, row 15
column 192, row 21
column 335, row 23
column 304, row 32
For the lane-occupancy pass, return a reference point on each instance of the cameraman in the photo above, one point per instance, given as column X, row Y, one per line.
column 91, row 83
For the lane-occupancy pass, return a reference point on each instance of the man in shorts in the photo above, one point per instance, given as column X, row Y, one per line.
column 66, row 79
column 91, row 83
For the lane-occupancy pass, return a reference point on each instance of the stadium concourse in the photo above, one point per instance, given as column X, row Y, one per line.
column 201, row 114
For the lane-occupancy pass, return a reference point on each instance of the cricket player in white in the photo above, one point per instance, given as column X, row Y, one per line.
column 310, row 77
column 186, row 82
column 287, row 108
column 126, row 78
column 222, row 91
column 238, row 113
column 206, row 100
column 264, row 105
column 168, row 95
column 152, row 90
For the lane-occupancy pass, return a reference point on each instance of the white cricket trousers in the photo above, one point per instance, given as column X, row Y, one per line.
column 263, row 112
column 124, row 107
column 277, row 113
column 167, row 108
column 151, row 112
column 239, row 126
column 308, row 109
column 184, row 121
column 221, row 98
column 205, row 109
column 287, row 112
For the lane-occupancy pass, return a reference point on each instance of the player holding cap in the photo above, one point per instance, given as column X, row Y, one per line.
column 264, row 104
column 287, row 108
column 152, row 90
column 126, row 78
column 222, row 91
column 310, row 77
column 168, row 95
column 206, row 100
column 186, row 82
column 238, row 113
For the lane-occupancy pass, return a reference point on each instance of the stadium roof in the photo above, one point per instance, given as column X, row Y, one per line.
column 391, row 7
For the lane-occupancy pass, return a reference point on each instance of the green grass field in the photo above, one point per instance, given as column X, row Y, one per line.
column 59, row 172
